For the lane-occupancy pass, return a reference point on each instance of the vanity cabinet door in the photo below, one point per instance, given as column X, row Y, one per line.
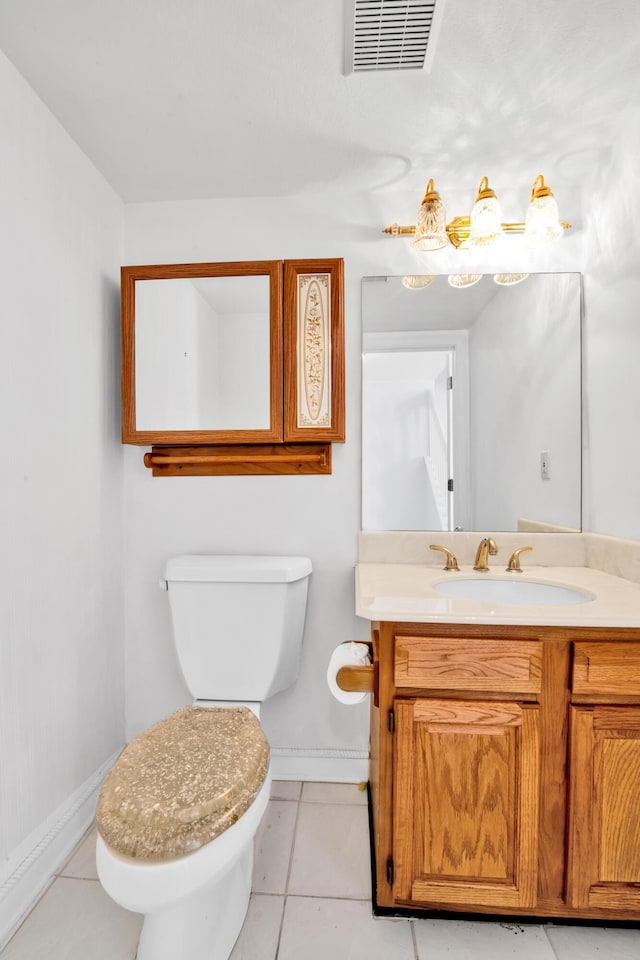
column 465, row 786
column 603, row 867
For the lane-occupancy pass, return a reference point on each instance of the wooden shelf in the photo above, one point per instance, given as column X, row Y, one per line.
column 240, row 460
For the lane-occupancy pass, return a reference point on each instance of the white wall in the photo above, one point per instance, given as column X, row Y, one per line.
column 61, row 648
column 612, row 335
column 315, row 516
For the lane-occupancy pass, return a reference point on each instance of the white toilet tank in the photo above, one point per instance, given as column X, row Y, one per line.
column 238, row 623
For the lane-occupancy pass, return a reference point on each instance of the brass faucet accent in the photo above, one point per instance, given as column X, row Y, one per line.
column 452, row 563
column 486, row 548
column 514, row 560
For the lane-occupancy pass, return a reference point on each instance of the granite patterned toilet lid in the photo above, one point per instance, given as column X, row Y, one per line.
column 182, row 782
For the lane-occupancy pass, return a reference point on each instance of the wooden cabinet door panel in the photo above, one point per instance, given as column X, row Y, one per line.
column 466, row 782
column 603, row 867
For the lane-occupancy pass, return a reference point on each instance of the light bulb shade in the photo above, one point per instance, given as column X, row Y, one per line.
column 460, row 280
column 417, row 281
column 431, row 233
column 542, row 223
column 486, row 218
column 509, row 279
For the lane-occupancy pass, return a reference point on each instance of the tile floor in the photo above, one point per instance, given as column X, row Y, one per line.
column 310, row 901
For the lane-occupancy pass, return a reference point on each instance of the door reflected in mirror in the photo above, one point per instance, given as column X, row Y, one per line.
column 202, row 353
column 472, row 406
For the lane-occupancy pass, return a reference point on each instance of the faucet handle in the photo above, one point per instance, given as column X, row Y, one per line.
column 452, row 563
column 514, row 560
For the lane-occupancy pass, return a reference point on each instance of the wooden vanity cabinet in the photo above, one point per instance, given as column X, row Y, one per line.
column 505, row 770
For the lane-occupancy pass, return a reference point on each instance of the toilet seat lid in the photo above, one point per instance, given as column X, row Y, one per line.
column 183, row 782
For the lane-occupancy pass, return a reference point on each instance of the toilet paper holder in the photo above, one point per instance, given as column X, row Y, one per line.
column 358, row 678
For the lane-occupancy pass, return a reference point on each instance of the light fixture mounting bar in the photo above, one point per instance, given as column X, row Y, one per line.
column 458, row 229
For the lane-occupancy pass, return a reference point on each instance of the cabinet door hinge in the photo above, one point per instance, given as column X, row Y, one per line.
column 450, row 486
column 449, row 383
column 392, row 721
column 390, row 871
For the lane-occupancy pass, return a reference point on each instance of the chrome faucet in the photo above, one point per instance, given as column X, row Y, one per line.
column 486, row 548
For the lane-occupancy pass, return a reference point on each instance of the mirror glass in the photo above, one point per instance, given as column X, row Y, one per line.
column 202, row 359
column 472, row 405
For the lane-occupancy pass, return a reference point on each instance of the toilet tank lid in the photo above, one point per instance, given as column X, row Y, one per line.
column 236, row 569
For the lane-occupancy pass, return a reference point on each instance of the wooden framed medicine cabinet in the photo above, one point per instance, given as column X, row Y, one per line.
column 234, row 368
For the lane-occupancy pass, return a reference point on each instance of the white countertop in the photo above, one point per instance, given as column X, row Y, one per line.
column 405, row 592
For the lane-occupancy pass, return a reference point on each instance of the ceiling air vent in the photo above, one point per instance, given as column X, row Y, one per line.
column 391, row 34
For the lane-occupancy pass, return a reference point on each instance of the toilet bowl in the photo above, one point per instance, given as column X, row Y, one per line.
column 194, row 906
column 178, row 812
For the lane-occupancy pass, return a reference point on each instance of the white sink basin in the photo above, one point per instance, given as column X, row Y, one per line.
column 518, row 592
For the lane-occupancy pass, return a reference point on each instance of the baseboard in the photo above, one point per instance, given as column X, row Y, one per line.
column 328, row 765
column 29, row 870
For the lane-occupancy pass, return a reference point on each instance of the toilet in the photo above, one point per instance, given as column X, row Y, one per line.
column 178, row 812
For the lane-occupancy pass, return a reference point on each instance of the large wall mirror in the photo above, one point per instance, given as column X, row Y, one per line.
column 472, row 406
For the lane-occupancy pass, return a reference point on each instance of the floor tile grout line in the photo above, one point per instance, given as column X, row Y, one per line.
column 281, row 927
column 333, row 803
column 65, row 876
column 414, row 940
column 553, row 949
column 326, row 896
column 286, row 884
column 291, row 852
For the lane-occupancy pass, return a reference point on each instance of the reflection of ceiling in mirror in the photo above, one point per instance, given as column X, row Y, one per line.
column 385, row 299
column 228, row 295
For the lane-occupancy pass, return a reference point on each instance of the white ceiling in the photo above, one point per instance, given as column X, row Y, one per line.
column 179, row 99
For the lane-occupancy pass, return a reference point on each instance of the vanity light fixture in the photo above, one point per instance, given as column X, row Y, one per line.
column 461, row 280
column 485, row 225
column 417, row 281
column 430, row 230
column 509, row 279
column 542, row 223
